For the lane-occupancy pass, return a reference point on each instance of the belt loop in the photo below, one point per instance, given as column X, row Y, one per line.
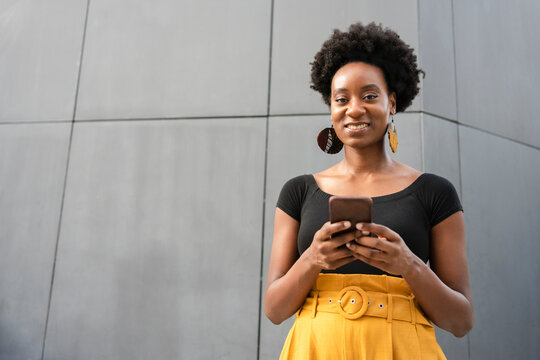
column 315, row 303
column 413, row 310
column 389, row 308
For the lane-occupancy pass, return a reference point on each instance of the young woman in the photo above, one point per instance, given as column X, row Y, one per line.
column 369, row 293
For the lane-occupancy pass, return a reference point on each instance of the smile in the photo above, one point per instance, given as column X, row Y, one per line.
column 357, row 126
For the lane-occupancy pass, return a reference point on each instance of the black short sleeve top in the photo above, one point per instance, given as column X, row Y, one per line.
column 411, row 212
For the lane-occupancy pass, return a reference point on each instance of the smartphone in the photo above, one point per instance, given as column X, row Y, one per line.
column 355, row 209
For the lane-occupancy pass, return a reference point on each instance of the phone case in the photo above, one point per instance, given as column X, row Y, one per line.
column 354, row 209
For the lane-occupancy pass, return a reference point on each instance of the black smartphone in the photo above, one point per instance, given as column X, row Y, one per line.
column 356, row 209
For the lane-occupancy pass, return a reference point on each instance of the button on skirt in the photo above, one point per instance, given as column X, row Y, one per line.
column 361, row 317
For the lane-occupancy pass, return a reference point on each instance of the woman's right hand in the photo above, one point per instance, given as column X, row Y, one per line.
column 328, row 252
column 290, row 275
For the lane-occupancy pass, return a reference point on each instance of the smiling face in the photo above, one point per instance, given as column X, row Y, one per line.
column 360, row 104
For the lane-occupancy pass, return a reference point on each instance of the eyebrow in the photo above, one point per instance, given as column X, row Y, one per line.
column 363, row 88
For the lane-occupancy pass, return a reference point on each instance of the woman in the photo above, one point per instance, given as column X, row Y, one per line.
column 368, row 294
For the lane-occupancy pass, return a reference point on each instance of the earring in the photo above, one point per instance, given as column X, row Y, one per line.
column 328, row 141
column 392, row 136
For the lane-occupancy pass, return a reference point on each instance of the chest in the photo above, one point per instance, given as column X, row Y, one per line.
column 373, row 188
column 404, row 215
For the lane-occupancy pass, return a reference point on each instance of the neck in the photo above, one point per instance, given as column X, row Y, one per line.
column 365, row 161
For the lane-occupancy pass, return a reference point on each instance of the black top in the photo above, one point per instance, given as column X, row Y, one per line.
column 411, row 212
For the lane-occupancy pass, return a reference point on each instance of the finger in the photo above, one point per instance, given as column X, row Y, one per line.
column 331, row 228
column 360, row 233
column 336, row 256
column 333, row 252
column 371, row 261
column 367, row 252
column 380, row 243
column 339, row 254
column 342, row 239
column 377, row 229
column 344, row 261
column 326, row 231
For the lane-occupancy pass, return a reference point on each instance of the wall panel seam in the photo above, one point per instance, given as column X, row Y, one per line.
column 499, row 136
column 481, row 130
column 34, row 122
column 216, row 117
column 418, row 30
column 265, row 171
column 456, row 93
column 53, row 272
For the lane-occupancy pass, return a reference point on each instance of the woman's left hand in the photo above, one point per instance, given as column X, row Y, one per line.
column 387, row 251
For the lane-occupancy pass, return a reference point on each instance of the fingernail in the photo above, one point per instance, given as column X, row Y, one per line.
column 347, row 223
column 359, row 226
column 364, row 232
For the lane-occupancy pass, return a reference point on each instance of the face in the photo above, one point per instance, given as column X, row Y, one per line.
column 360, row 104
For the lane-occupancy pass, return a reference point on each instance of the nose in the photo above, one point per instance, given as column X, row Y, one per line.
column 355, row 109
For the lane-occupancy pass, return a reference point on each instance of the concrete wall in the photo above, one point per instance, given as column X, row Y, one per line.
column 143, row 146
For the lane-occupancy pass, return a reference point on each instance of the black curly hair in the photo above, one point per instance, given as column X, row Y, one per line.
column 374, row 45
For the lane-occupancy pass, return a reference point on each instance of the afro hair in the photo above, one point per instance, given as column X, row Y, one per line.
column 373, row 45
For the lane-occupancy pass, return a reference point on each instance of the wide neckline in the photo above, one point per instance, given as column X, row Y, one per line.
column 391, row 196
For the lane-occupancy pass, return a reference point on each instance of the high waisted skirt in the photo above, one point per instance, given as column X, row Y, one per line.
column 361, row 317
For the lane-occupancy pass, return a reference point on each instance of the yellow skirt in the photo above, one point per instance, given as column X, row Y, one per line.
column 361, row 317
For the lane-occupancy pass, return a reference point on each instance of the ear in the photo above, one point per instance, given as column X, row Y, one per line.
column 392, row 102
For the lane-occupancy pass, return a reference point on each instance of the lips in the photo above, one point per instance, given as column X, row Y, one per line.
column 357, row 126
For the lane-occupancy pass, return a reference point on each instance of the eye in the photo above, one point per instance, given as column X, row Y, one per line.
column 371, row 96
column 341, row 100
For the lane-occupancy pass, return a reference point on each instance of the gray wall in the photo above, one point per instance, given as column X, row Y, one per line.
column 143, row 146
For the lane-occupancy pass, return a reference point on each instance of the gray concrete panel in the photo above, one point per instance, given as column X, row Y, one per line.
column 159, row 253
column 175, row 59
column 497, row 67
column 32, row 168
column 502, row 200
column 40, row 48
column 409, row 131
column 441, row 157
column 292, row 151
column 454, row 348
column 300, row 28
column 437, row 57
column 441, row 149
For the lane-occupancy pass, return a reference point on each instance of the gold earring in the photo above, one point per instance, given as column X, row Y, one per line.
column 392, row 136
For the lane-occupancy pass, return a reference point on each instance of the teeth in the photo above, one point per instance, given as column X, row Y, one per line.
column 357, row 126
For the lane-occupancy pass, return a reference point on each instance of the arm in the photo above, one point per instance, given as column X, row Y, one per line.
column 443, row 291
column 448, row 260
column 290, row 277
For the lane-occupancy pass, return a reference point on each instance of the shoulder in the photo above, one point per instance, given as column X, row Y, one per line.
column 293, row 193
column 300, row 180
column 298, row 184
column 434, row 183
column 438, row 196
